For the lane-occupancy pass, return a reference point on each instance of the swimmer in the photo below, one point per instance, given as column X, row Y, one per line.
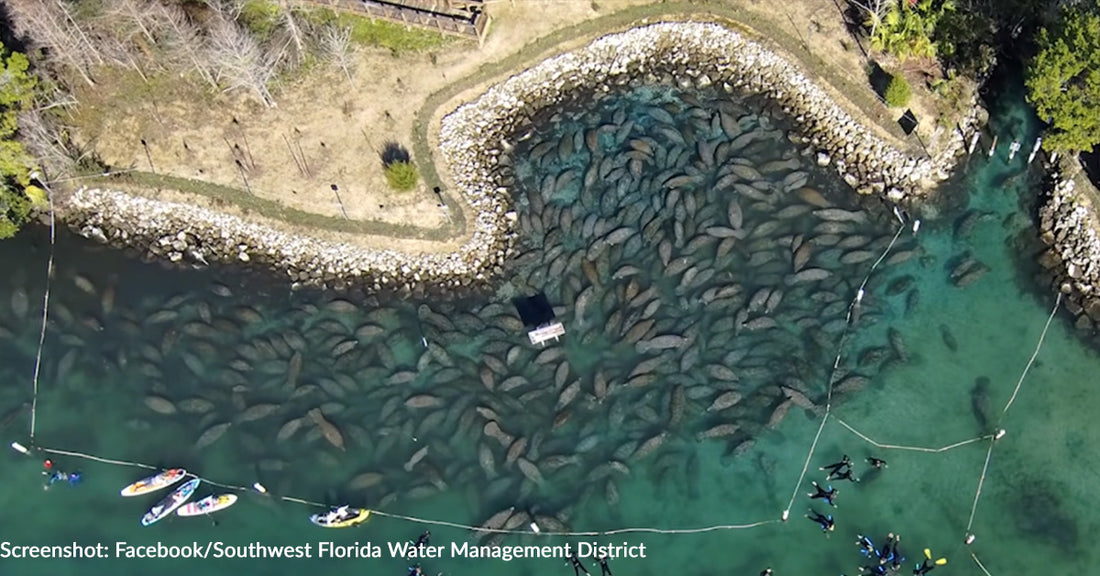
column 415, row 570
column 605, row 570
column 876, row 463
column 766, row 572
column 896, row 558
column 826, row 521
column 865, row 546
column 924, row 567
column 826, row 495
column 846, row 474
column 885, row 555
column 577, row 566
column 423, row 539
column 833, row 469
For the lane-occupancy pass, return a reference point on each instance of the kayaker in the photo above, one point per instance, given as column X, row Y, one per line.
column 826, row 495
column 577, row 566
column 605, row 570
column 826, row 521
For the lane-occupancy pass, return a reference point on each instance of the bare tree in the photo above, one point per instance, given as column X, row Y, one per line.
column 138, row 15
column 49, row 142
column 338, row 49
column 875, row 11
column 49, row 25
column 240, row 62
column 184, row 40
column 292, row 28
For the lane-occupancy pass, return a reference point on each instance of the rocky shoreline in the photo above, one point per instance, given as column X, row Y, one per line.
column 1068, row 224
column 476, row 140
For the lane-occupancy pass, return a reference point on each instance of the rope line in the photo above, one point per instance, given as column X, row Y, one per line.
column 981, row 481
column 425, row 520
column 836, row 363
column 45, row 318
column 911, row 448
column 980, row 565
column 1039, row 345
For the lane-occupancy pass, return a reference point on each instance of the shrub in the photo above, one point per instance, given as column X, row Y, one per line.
column 897, row 92
column 401, row 175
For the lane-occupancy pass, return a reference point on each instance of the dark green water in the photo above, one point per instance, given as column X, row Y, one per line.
column 168, row 334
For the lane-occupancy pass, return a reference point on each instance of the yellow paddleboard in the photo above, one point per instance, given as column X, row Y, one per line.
column 353, row 517
column 155, row 482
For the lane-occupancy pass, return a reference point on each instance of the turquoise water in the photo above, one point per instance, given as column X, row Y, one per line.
column 130, row 331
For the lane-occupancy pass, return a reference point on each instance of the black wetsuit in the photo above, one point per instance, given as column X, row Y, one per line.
column 605, row 570
column 833, row 468
column 826, row 495
column 826, row 522
column 577, row 566
column 865, row 546
column 423, row 539
column 846, row 475
column 925, row 567
column 877, row 463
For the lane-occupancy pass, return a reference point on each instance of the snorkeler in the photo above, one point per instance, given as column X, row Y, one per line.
column 577, row 566
column 846, row 474
column 886, row 553
column 865, row 546
column 896, row 559
column 826, row 521
column 834, row 469
column 826, row 495
column 415, row 570
column 876, row 463
column 766, row 572
column 423, row 539
column 605, row 570
column 879, row 570
column 924, row 567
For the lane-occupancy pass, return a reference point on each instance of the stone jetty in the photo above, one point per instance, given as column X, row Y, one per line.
column 1068, row 225
column 476, row 140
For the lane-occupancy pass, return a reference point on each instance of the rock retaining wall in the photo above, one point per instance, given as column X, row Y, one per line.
column 1068, row 225
column 476, row 136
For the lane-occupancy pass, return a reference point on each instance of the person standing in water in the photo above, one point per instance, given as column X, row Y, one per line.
column 826, row 495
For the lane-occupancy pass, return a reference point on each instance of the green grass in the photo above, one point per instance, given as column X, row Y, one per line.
column 379, row 33
column 261, row 18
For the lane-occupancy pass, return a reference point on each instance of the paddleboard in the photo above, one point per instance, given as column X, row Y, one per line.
column 207, row 505
column 154, row 482
column 354, row 516
column 170, row 502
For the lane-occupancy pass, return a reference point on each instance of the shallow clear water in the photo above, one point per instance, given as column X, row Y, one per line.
column 167, row 334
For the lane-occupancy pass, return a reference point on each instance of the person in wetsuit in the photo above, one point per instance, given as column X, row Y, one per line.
column 924, row 567
column 826, row 495
column 835, row 468
column 826, row 521
column 605, row 570
column 766, row 572
column 577, row 566
column 423, row 539
column 865, row 546
column 846, row 474
column 876, row 463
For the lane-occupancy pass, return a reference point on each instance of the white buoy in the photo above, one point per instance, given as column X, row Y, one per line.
column 969, row 539
column 786, row 514
column 259, row 488
column 20, row 448
column 859, row 296
column 916, row 226
column 1000, row 434
column 1034, row 150
column 424, row 341
column 535, row 528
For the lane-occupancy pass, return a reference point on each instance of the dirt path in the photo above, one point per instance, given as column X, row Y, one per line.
column 329, row 131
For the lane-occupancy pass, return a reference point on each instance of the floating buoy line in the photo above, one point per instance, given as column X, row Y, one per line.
column 534, row 529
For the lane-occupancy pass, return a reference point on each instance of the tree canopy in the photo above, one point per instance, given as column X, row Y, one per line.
column 1063, row 80
column 906, row 29
column 16, row 192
